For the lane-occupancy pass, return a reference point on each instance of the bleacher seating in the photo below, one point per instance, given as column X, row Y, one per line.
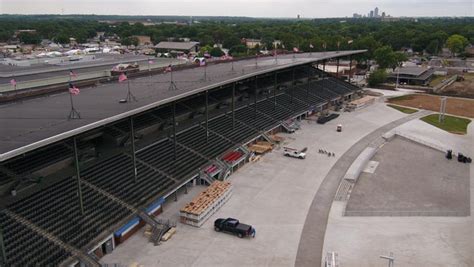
column 195, row 138
column 4, row 178
column 277, row 112
column 292, row 103
column 23, row 247
column 303, row 94
column 336, row 87
column 223, row 126
column 56, row 209
column 115, row 175
column 246, row 114
column 39, row 158
column 319, row 90
column 161, row 156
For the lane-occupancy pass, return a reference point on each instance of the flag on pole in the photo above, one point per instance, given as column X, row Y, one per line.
column 73, row 90
column 295, row 49
column 350, row 41
column 202, row 63
column 13, row 82
column 122, row 77
column 311, row 46
column 168, row 69
column 72, row 74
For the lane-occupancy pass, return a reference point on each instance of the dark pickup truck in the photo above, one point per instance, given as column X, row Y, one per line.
column 324, row 119
column 233, row 226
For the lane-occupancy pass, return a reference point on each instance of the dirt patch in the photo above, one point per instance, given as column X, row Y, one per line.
column 454, row 106
column 462, row 88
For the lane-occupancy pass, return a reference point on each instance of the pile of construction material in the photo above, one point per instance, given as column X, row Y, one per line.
column 165, row 237
column 261, row 147
column 197, row 211
column 277, row 139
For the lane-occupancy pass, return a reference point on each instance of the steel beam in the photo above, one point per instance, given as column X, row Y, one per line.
column 175, row 138
column 207, row 116
column 3, row 253
column 132, row 141
column 78, row 175
column 255, row 100
column 233, row 105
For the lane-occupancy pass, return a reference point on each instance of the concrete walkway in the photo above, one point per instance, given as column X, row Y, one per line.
column 310, row 248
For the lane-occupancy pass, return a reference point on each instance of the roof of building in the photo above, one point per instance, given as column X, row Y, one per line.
column 177, row 45
column 414, row 73
column 34, row 123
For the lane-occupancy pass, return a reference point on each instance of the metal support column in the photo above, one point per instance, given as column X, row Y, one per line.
column 350, row 68
column 174, row 132
column 255, row 98
column 186, row 188
column 324, row 65
column 3, row 253
column 207, row 116
column 132, row 142
column 337, row 68
column 293, row 83
column 78, row 175
column 176, row 195
column 275, row 82
column 233, row 106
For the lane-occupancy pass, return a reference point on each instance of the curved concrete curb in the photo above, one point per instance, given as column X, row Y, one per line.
column 310, row 248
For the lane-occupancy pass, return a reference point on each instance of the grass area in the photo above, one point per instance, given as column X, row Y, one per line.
column 451, row 124
column 401, row 98
column 437, row 80
column 403, row 109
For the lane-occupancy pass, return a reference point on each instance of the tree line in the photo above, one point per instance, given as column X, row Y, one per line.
column 424, row 34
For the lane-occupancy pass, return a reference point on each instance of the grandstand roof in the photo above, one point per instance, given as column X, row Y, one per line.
column 34, row 123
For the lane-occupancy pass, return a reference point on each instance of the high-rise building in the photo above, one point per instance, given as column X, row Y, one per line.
column 371, row 14
column 376, row 12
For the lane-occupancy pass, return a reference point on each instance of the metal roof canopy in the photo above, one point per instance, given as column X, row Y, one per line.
column 50, row 140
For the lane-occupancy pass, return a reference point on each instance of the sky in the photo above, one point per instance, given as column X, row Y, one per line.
column 249, row 8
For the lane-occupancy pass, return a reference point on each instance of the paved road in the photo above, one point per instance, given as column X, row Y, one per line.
column 310, row 249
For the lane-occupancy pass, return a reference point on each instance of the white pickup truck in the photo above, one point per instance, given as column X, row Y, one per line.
column 295, row 153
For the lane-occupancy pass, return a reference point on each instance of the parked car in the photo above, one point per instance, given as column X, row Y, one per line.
column 233, row 226
column 295, row 153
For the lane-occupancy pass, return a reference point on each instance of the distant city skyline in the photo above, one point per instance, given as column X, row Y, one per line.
column 249, row 8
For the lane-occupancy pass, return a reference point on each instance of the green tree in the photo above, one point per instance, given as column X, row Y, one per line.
column 216, row 52
column 385, row 57
column 456, row 43
column 433, row 47
column 377, row 77
column 29, row 38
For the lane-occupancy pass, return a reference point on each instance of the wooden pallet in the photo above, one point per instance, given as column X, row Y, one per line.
column 276, row 138
column 260, row 149
column 206, row 198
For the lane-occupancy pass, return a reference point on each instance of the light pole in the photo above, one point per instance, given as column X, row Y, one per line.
column 391, row 259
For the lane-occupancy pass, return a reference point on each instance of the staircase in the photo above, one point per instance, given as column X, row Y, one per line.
column 159, row 228
column 206, row 177
column 225, row 169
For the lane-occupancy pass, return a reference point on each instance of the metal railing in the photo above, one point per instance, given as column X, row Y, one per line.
column 408, row 213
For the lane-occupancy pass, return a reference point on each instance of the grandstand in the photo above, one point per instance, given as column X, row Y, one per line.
column 72, row 197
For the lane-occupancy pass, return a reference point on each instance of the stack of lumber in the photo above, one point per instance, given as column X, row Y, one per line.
column 261, row 147
column 197, row 211
column 277, row 138
column 168, row 234
column 148, row 230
